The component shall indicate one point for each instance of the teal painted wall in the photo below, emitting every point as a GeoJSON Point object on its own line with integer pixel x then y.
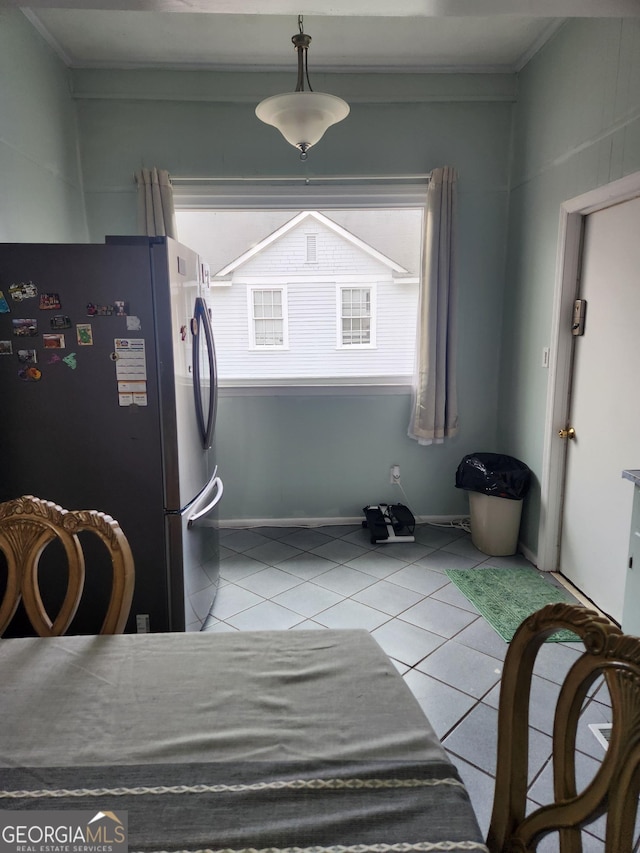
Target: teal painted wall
{"type": "Point", "coordinates": [329, 455]}
{"type": "Point", "coordinates": [576, 127]}
{"type": "Point", "coordinates": [317, 456]}
{"type": "Point", "coordinates": [203, 124]}
{"type": "Point", "coordinates": [40, 188]}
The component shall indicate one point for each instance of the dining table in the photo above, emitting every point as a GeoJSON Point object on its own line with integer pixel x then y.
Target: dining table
{"type": "Point", "coordinates": [299, 740]}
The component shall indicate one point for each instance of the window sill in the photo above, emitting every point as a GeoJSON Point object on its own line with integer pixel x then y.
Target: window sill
{"type": "Point", "coordinates": [367, 386]}
{"type": "Point", "coordinates": [358, 347]}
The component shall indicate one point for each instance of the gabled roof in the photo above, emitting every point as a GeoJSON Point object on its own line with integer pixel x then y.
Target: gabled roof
{"type": "Point", "coordinates": [324, 220]}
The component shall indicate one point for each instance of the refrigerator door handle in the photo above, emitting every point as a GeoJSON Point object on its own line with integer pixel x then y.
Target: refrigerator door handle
{"type": "Point", "coordinates": [199, 323]}
{"type": "Point", "coordinates": [214, 487]}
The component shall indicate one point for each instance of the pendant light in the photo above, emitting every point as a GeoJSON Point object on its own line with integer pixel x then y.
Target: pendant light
{"type": "Point", "coordinates": [302, 117]}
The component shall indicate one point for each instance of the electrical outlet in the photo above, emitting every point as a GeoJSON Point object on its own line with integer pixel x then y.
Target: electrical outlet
{"type": "Point", "coordinates": [142, 623]}
{"type": "Point", "coordinates": [394, 474]}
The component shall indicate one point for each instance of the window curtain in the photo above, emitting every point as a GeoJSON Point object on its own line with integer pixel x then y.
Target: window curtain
{"type": "Point", "coordinates": [434, 414]}
{"type": "Point", "coordinates": [156, 213]}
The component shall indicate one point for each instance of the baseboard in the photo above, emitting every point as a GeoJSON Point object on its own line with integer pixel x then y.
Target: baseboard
{"type": "Point", "coordinates": [530, 555]}
{"type": "Point", "coordinates": [566, 583]}
{"type": "Point", "coordinates": [335, 521]}
{"type": "Point", "coordinates": [447, 520]}
{"type": "Point", "coordinates": [288, 522]}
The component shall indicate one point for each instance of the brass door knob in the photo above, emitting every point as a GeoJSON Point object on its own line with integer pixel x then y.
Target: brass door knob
{"type": "Point", "coordinates": [569, 433]}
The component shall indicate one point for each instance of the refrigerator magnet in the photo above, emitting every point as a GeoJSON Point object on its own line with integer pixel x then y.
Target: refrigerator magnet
{"type": "Point", "coordinates": [122, 308]}
{"type": "Point", "coordinates": [70, 360]}
{"type": "Point", "coordinates": [54, 358]}
{"type": "Point", "coordinates": [84, 334]}
{"type": "Point", "coordinates": [4, 305]}
{"type": "Point", "coordinates": [25, 328]}
{"type": "Point", "coordinates": [100, 310]}
{"type": "Point", "coordinates": [30, 374]}
{"type": "Point", "coordinates": [133, 323]}
{"type": "Point", "coordinates": [60, 321]}
{"type": "Point", "coordinates": [54, 341]}
{"type": "Point", "coordinates": [27, 356]}
{"type": "Point", "coordinates": [49, 302]}
{"type": "Point", "coordinates": [23, 290]}
{"type": "Point", "coordinates": [6, 348]}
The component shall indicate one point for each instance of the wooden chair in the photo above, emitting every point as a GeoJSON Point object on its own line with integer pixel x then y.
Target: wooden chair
{"type": "Point", "coordinates": [27, 526]}
{"type": "Point", "coordinates": [615, 787]}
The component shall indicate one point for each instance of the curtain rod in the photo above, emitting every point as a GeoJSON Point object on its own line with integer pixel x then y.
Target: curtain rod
{"type": "Point", "coordinates": [179, 179]}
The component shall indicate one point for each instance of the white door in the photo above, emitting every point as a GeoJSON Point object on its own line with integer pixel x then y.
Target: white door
{"type": "Point", "coordinates": [605, 410]}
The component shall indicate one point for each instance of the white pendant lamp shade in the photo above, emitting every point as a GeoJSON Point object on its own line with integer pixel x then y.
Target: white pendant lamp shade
{"type": "Point", "coordinates": [302, 117]}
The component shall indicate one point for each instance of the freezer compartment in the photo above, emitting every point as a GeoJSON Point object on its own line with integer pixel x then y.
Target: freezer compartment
{"type": "Point", "coordinates": [193, 539]}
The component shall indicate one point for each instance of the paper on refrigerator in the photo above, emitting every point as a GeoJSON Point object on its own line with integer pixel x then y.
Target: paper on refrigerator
{"type": "Point", "coordinates": [131, 371]}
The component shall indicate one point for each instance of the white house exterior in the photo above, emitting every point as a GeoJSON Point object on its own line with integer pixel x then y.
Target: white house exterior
{"type": "Point", "coordinates": [313, 303]}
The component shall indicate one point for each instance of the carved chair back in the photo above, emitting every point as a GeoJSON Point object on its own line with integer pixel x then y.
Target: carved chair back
{"type": "Point", "coordinates": [27, 526]}
{"type": "Point", "coordinates": [608, 654]}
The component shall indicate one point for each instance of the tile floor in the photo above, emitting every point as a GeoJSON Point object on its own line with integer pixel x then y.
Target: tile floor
{"type": "Point", "coordinates": [333, 577]}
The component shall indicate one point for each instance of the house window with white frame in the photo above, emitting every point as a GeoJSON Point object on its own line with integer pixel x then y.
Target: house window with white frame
{"type": "Point", "coordinates": [356, 319]}
{"type": "Point", "coordinates": [267, 317]}
{"type": "Point", "coordinates": [325, 296]}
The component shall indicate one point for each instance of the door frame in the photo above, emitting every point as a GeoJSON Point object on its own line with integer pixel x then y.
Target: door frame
{"type": "Point", "coordinates": [572, 215]}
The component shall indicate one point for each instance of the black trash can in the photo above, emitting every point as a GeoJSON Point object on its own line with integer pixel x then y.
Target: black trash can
{"type": "Point", "coordinates": [497, 485]}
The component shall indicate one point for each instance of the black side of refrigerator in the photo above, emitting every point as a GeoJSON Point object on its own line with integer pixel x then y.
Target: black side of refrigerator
{"type": "Point", "coordinates": [67, 435]}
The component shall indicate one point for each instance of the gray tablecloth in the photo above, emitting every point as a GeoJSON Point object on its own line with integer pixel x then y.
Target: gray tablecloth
{"type": "Point", "coordinates": [250, 740]}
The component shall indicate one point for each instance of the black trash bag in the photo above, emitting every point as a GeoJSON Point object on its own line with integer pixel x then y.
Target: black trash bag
{"type": "Point", "coordinates": [494, 474]}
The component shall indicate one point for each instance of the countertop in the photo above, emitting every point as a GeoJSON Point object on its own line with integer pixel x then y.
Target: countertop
{"type": "Point", "coordinates": [633, 474]}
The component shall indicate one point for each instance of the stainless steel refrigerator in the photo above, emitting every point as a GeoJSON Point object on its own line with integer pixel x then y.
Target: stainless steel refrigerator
{"type": "Point", "coordinates": [108, 389]}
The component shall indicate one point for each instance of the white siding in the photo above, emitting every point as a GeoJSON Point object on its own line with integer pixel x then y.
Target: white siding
{"type": "Point", "coordinates": [311, 289]}
{"type": "Point", "coordinates": [288, 255]}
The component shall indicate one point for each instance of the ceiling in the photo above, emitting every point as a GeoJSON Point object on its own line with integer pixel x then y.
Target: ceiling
{"type": "Point", "coordinates": [350, 35]}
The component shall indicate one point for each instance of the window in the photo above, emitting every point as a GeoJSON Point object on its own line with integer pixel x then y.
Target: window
{"type": "Point", "coordinates": [267, 318]}
{"type": "Point", "coordinates": [356, 320]}
{"type": "Point", "coordinates": [319, 296]}
{"type": "Point", "coordinates": [311, 249]}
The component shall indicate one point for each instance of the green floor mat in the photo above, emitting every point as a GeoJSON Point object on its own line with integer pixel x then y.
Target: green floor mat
{"type": "Point", "coordinates": [505, 597]}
